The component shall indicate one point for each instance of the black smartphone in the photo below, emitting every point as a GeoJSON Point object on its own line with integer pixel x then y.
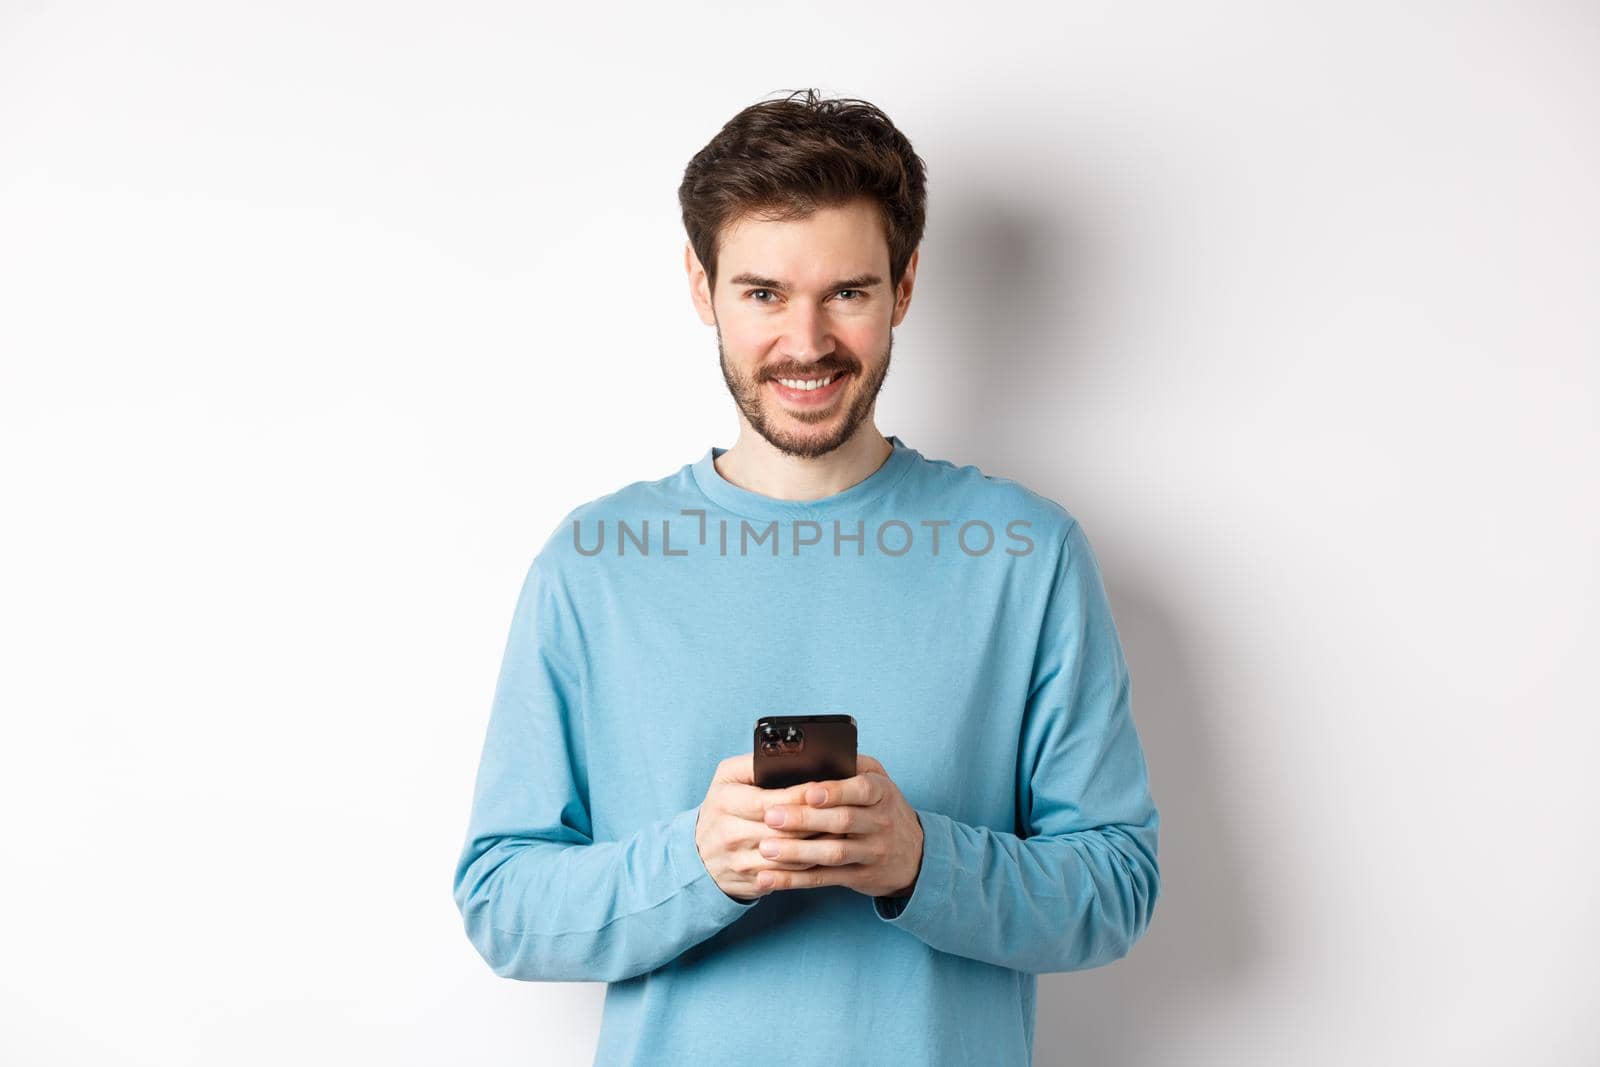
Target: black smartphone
{"type": "Point", "coordinates": [790, 749]}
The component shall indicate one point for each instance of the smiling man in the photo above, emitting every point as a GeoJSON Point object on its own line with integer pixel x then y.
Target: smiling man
{"type": "Point", "coordinates": [810, 350]}
{"type": "Point", "coordinates": [999, 824]}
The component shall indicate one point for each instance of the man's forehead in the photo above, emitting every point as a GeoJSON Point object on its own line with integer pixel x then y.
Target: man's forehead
{"type": "Point", "coordinates": [857, 257]}
{"type": "Point", "coordinates": [829, 241]}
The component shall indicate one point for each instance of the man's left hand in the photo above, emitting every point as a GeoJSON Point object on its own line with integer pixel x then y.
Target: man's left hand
{"type": "Point", "coordinates": [878, 847]}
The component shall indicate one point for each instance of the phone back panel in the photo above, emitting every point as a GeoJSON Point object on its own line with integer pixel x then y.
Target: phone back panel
{"type": "Point", "coordinates": [791, 749]}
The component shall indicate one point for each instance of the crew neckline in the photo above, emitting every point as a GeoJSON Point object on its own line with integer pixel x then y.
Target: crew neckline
{"type": "Point", "coordinates": [759, 506]}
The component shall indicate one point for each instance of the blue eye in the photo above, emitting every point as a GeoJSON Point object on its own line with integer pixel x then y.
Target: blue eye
{"type": "Point", "coordinates": [754, 291]}
{"type": "Point", "coordinates": [849, 291]}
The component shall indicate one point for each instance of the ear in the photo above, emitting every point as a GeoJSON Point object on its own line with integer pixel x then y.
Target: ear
{"type": "Point", "coordinates": [699, 285]}
{"type": "Point", "coordinates": [902, 297]}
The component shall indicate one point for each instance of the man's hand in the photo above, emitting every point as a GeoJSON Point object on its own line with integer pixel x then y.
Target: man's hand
{"type": "Point", "coordinates": [730, 826]}
{"type": "Point", "coordinates": [873, 841]}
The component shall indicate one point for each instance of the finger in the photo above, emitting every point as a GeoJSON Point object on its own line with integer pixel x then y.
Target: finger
{"type": "Point", "coordinates": [755, 831]}
{"type": "Point", "coordinates": [743, 800]}
{"type": "Point", "coordinates": [840, 819]}
{"type": "Point", "coordinates": [761, 863]}
{"type": "Point", "coordinates": [756, 827]}
{"type": "Point", "coordinates": [833, 852]}
{"type": "Point", "coordinates": [751, 802]}
{"type": "Point", "coordinates": [864, 790]}
{"type": "Point", "coordinates": [750, 831]}
{"type": "Point", "coordinates": [848, 874]}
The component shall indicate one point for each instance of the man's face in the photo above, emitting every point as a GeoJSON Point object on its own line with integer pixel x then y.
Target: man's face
{"type": "Point", "coordinates": [805, 301]}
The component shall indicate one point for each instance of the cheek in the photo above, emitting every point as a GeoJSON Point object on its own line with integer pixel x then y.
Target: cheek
{"type": "Point", "coordinates": [747, 337]}
{"type": "Point", "coordinates": [747, 333]}
{"type": "Point", "coordinates": [862, 337]}
{"type": "Point", "coordinates": [863, 341]}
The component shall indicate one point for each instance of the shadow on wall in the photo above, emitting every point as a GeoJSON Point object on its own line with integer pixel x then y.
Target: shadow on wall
{"type": "Point", "coordinates": [1013, 295]}
{"type": "Point", "coordinates": [1202, 939]}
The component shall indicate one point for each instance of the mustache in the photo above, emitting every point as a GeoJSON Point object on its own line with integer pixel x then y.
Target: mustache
{"type": "Point", "coordinates": [807, 372]}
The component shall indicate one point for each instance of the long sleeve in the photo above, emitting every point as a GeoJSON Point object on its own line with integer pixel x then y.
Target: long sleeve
{"type": "Point", "coordinates": [541, 900]}
{"type": "Point", "coordinates": [1079, 889]}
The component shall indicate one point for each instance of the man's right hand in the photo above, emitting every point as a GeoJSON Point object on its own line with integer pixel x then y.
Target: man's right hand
{"type": "Point", "coordinates": [732, 824]}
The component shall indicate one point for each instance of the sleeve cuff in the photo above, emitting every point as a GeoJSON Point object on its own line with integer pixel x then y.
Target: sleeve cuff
{"type": "Point", "coordinates": [933, 881]}
{"type": "Point", "coordinates": [690, 870]}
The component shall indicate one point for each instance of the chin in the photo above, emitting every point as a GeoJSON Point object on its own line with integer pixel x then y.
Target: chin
{"type": "Point", "coordinates": [808, 439]}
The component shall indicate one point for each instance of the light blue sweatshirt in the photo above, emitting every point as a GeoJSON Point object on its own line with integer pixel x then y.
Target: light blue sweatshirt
{"type": "Point", "coordinates": [960, 618]}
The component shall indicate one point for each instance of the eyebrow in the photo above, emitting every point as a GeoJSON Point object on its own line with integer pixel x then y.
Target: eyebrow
{"type": "Point", "coordinates": [860, 281]}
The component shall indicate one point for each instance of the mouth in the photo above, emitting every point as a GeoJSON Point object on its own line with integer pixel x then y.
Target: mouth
{"type": "Point", "coordinates": [810, 394]}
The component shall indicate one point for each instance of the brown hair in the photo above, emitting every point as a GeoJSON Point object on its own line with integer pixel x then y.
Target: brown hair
{"type": "Point", "coordinates": [783, 159]}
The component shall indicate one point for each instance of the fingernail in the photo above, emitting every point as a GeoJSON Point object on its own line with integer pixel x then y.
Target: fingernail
{"type": "Point", "coordinates": [769, 849]}
{"type": "Point", "coordinates": [816, 796]}
{"type": "Point", "coordinates": [775, 817]}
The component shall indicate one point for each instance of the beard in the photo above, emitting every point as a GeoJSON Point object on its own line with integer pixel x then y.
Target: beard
{"type": "Point", "coordinates": [753, 400]}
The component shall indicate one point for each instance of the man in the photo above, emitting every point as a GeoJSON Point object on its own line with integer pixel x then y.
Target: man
{"type": "Point", "coordinates": [1000, 823]}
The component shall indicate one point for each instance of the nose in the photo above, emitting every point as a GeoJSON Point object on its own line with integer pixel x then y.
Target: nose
{"type": "Point", "coordinates": [806, 336]}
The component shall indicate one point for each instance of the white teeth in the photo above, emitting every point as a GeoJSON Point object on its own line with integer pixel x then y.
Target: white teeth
{"type": "Point", "coordinates": [796, 383]}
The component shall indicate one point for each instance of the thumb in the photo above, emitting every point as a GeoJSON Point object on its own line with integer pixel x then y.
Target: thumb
{"type": "Point", "coordinates": [740, 768]}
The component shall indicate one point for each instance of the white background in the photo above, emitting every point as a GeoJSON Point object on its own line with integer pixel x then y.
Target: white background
{"type": "Point", "coordinates": [316, 317]}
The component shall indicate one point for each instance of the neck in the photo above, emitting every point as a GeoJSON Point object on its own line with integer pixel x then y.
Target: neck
{"type": "Point", "coordinates": [754, 464]}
